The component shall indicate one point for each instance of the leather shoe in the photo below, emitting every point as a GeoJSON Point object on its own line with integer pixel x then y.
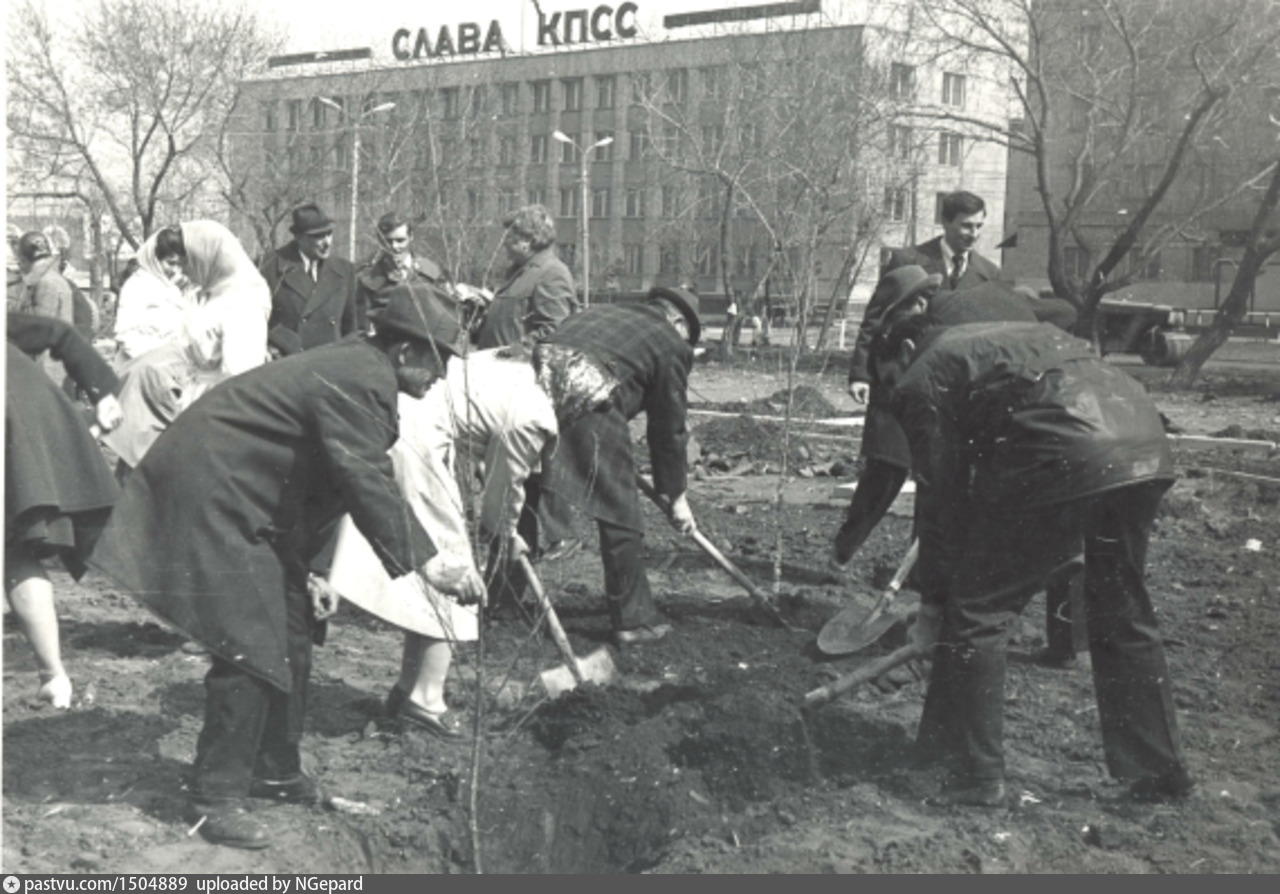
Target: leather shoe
{"type": "Point", "coordinates": [561, 549]}
{"type": "Point", "coordinates": [645, 633]}
{"type": "Point", "coordinates": [229, 825]}
{"type": "Point", "coordinates": [1173, 786]}
{"type": "Point", "coordinates": [297, 789]}
{"type": "Point", "coordinates": [987, 793]}
{"type": "Point", "coordinates": [444, 725]}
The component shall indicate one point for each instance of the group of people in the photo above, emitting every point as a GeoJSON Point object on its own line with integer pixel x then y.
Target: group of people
{"type": "Point", "coordinates": [291, 434]}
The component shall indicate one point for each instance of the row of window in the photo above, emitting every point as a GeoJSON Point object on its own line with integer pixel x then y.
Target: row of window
{"type": "Point", "coordinates": [902, 145]}
{"type": "Point", "coordinates": [897, 200]}
{"type": "Point", "coordinates": [1202, 264]}
{"type": "Point", "coordinates": [746, 260]}
{"type": "Point", "coordinates": [326, 112]}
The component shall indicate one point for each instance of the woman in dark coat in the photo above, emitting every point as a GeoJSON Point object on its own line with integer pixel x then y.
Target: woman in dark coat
{"type": "Point", "coordinates": [58, 489]}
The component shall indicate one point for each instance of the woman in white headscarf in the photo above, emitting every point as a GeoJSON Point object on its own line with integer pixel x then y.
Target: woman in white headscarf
{"type": "Point", "coordinates": [153, 305]}
{"type": "Point", "coordinates": [222, 333]}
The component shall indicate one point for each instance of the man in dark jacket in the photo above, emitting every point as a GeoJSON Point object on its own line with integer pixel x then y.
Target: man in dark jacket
{"type": "Point", "coordinates": [313, 294]}
{"type": "Point", "coordinates": [538, 293]}
{"type": "Point", "coordinates": [395, 269]}
{"type": "Point", "coordinates": [952, 255]}
{"type": "Point", "coordinates": [1026, 443]}
{"type": "Point", "coordinates": [217, 526]}
{"type": "Point", "coordinates": [648, 349]}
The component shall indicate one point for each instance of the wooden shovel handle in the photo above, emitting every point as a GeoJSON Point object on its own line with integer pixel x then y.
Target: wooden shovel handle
{"type": "Point", "coordinates": [825, 694]}
{"type": "Point", "coordinates": [553, 621]}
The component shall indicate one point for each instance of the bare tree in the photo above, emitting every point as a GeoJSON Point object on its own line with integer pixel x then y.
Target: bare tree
{"type": "Point", "coordinates": [126, 102]}
{"type": "Point", "coordinates": [1119, 102]}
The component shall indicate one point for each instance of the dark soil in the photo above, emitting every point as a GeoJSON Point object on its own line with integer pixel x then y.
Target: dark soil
{"type": "Point", "coordinates": [696, 759]}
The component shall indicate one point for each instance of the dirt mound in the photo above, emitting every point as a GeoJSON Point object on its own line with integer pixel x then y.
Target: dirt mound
{"type": "Point", "coordinates": [748, 438]}
{"type": "Point", "coordinates": [807, 402]}
{"type": "Point", "coordinates": [1249, 434]}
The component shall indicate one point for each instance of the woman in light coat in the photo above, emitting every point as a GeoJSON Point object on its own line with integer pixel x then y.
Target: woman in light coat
{"type": "Point", "coordinates": [223, 333]}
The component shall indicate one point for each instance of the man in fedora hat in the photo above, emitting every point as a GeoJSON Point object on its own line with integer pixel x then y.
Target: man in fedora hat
{"type": "Point", "coordinates": [313, 293]}
{"type": "Point", "coordinates": [647, 351]}
{"type": "Point", "coordinates": [223, 552]}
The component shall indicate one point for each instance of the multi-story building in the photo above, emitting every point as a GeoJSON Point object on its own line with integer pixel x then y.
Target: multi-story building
{"type": "Point", "coordinates": [777, 142]}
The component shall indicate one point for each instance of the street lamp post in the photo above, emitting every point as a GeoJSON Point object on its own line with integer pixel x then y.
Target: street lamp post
{"type": "Point", "coordinates": [355, 163]}
{"type": "Point", "coordinates": [584, 233]}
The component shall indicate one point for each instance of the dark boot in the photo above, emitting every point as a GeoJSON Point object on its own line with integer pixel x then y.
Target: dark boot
{"type": "Point", "coordinates": [228, 823]}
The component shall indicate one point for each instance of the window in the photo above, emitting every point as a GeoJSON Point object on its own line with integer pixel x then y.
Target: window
{"type": "Point", "coordinates": [606, 91]}
{"type": "Point", "coordinates": [568, 201]}
{"type": "Point", "coordinates": [634, 203]}
{"type": "Point", "coordinates": [510, 99]}
{"type": "Point", "coordinates": [538, 149]}
{"type": "Point", "coordinates": [476, 151]}
{"type": "Point", "coordinates": [937, 207]}
{"type": "Point", "coordinates": [538, 196]}
{"type": "Point", "coordinates": [708, 259]}
{"type": "Point", "coordinates": [669, 196]}
{"type": "Point", "coordinates": [950, 146]}
{"type": "Point", "coordinates": [541, 96]}
{"type": "Point", "coordinates": [712, 139]}
{"type": "Point", "coordinates": [671, 142]}
{"type": "Point", "coordinates": [342, 154]}
{"type": "Point", "coordinates": [633, 255]}
{"type": "Point", "coordinates": [712, 82]}
{"type": "Point", "coordinates": [506, 150]}
{"type": "Point", "coordinates": [641, 87]}
{"type": "Point", "coordinates": [507, 201]}
{"type": "Point", "coordinates": [269, 122]}
{"type": "Point", "coordinates": [1150, 270]}
{"type": "Point", "coordinates": [475, 203]}
{"type": "Point", "coordinates": [602, 202]}
{"type": "Point", "coordinates": [1089, 40]}
{"type": "Point", "coordinates": [708, 198]}
{"type": "Point", "coordinates": [678, 85]}
{"type": "Point", "coordinates": [639, 144]}
{"type": "Point", "coordinates": [568, 252]}
{"type": "Point", "coordinates": [477, 101]}
{"type": "Point", "coordinates": [1203, 268]}
{"type": "Point", "coordinates": [953, 90]}
{"type": "Point", "coordinates": [293, 159]}
{"type": "Point", "coordinates": [294, 107]}
{"type": "Point", "coordinates": [340, 112]}
{"type": "Point", "coordinates": [745, 261]}
{"type": "Point", "coordinates": [1080, 109]}
{"type": "Point", "coordinates": [902, 82]}
{"type": "Point", "coordinates": [422, 156]}
{"type": "Point", "coordinates": [749, 138]}
{"type": "Point", "coordinates": [899, 141]}
{"type": "Point", "coordinates": [449, 102]}
{"type": "Point", "coordinates": [605, 152]}
{"type": "Point", "coordinates": [895, 203]}
{"type": "Point", "coordinates": [318, 110]}
{"type": "Point", "coordinates": [315, 157]}
{"type": "Point", "coordinates": [1076, 262]}
{"type": "Point", "coordinates": [572, 94]}
{"type": "Point", "coordinates": [669, 259]}
{"type": "Point", "coordinates": [569, 151]}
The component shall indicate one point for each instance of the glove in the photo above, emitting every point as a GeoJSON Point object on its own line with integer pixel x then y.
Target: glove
{"type": "Point", "coordinates": [457, 579]}
{"type": "Point", "coordinates": [324, 598]}
{"type": "Point", "coordinates": [860, 392]}
{"type": "Point", "coordinates": [109, 413]}
{"type": "Point", "coordinates": [682, 515]}
{"type": "Point", "coordinates": [924, 632]}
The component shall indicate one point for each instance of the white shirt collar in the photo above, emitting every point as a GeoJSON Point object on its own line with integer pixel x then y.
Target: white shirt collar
{"type": "Point", "coordinates": [948, 256]}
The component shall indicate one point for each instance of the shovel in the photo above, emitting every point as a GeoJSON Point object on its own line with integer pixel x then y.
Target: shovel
{"type": "Point", "coordinates": [595, 668]}
{"type": "Point", "coordinates": [851, 629]}
{"type": "Point", "coordinates": [869, 671]}
{"type": "Point", "coordinates": [719, 558]}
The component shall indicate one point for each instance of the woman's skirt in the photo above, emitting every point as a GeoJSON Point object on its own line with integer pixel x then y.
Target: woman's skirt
{"type": "Point", "coordinates": [407, 602]}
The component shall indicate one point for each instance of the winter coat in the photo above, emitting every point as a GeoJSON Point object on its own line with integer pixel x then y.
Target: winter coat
{"type": "Point", "coordinates": [534, 300]}
{"type": "Point", "coordinates": [232, 501]}
{"type": "Point", "coordinates": [322, 310]}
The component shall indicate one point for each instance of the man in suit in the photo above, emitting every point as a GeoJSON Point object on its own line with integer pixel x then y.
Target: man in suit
{"type": "Point", "coordinates": [218, 524]}
{"type": "Point", "coordinates": [312, 293]}
{"type": "Point", "coordinates": [645, 352]}
{"type": "Point", "coordinates": [952, 264]}
{"type": "Point", "coordinates": [952, 255]}
{"type": "Point", "coordinates": [395, 269]}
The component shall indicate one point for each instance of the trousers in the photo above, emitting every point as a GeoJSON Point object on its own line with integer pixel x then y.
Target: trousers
{"type": "Point", "coordinates": [252, 729]}
{"type": "Point", "coordinates": [1006, 560]}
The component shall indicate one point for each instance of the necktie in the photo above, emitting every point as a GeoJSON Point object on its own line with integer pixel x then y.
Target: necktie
{"type": "Point", "coordinates": [957, 267]}
{"type": "Point", "coordinates": [315, 271]}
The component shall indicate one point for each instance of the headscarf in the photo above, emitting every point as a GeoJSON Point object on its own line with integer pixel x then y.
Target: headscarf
{"type": "Point", "coordinates": [218, 264]}
{"type": "Point", "coordinates": [232, 329]}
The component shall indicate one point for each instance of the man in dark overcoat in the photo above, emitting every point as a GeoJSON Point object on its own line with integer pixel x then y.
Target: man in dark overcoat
{"type": "Point", "coordinates": [952, 255]}
{"type": "Point", "coordinates": [1027, 444]}
{"type": "Point", "coordinates": [648, 349]}
{"type": "Point", "coordinates": [395, 268]}
{"type": "Point", "coordinates": [538, 293]}
{"type": "Point", "coordinates": [217, 525]}
{"type": "Point", "coordinates": [313, 293]}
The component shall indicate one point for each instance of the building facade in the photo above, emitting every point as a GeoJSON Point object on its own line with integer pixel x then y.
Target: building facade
{"type": "Point", "coordinates": [770, 148]}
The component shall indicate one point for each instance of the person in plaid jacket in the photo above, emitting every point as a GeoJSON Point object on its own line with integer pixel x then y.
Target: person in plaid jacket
{"type": "Point", "coordinates": [648, 348]}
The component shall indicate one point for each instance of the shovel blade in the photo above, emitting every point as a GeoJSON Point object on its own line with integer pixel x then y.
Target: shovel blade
{"type": "Point", "coordinates": [855, 628]}
{"type": "Point", "coordinates": [598, 668]}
